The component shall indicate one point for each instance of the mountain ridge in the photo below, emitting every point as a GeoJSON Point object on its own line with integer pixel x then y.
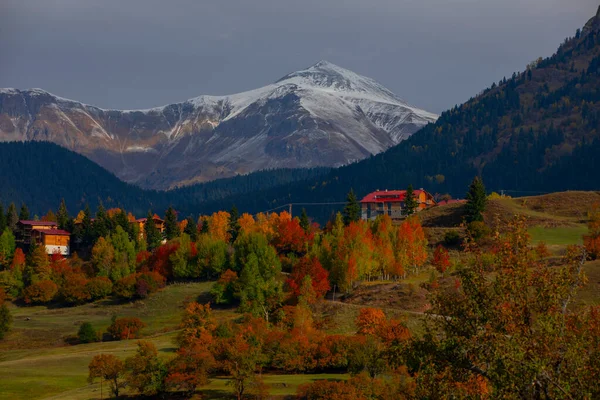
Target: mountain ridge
{"type": "Point", "coordinates": [323, 115]}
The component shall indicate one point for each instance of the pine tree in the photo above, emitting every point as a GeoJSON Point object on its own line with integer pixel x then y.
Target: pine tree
{"type": "Point", "coordinates": [410, 202]}
{"type": "Point", "coordinates": [24, 213]}
{"type": "Point", "coordinates": [87, 230]}
{"type": "Point", "coordinates": [352, 208]}
{"type": "Point", "coordinates": [153, 236]}
{"type": "Point", "coordinates": [11, 217]}
{"type": "Point", "coordinates": [234, 223]}
{"type": "Point", "coordinates": [171, 227]}
{"type": "Point", "coordinates": [304, 222]}
{"type": "Point", "coordinates": [62, 217]}
{"type": "Point", "coordinates": [191, 229]}
{"type": "Point", "coordinates": [476, 200]}
{"type": "Point", "coordinates": [102, 224]}
{"type": "Point", "coordinates": [2, 218]}
{"type": "Point", "coordinates": [204, 228]}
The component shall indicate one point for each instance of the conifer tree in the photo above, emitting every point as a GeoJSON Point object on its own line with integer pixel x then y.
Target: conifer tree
{"type": "Point", "coordinates": [24, 213]}
{"type": "Point", "coordinates": [304, 222]}
{"type": "Point", "coordinates": [102, 224]}
{"type": "Point", "coordinates": [171, 227]}
{"type": "Point", "coordinates": [476, 200]}
{"type": "Point", "coordinates": [2, 218]}
{"type": "Point", "coordinates": [191, 229]}
{"type": "Point", "coordinates": [352, 208]}
{"type": "Point", "coordinates": [62, 217]}
{"type": "Point", "coordinates": [234, 223]}
{"type": "Point", "coordinates": [410, 202]}
{"type": "Point", "coordinates": [87, 231]}
{"type": "Point", "coordinates": [11, 217]}
{"type": "Point", "coordinates": [153, 236]}
{"type": "Point", "coordinates": [204, 228]}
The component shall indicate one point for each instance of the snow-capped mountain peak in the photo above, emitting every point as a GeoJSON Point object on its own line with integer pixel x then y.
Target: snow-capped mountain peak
{"type": "Point", "coordinates": [324, 115]}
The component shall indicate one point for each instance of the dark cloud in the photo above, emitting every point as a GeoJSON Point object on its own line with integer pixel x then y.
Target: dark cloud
{"type": "Point", "coordinates": [142, 53]}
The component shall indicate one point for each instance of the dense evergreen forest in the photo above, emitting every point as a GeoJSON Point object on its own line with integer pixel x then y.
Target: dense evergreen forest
{"type": "Point", "coordinates": [40, 174]}
{"type": "Point", "coordinates": [537, 131]}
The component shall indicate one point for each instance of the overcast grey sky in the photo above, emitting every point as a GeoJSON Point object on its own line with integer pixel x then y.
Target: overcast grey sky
{"type": "Point", "coordinates": [142, 53]}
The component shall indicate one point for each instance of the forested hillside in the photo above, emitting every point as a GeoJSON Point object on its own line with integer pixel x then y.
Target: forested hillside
{"type": "Point", "coordinates": [40, 174]}
{"type": "Point", "coordinates": [537, 131]}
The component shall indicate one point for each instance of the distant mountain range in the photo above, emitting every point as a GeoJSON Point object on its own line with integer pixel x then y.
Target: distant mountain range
{"type": "Point", "coordinates": [537, 131]}
{"type": "Point", "coordinates": [321, 116]}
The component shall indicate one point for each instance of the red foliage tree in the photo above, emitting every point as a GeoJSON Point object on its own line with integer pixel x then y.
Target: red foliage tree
{"type": "Point", "coordinates": [290, 238]}
{"type": "Point", "coordinates": [74, 289]}
{"type": "Point", "coordinates": [125, 328]}
{"type": "Point", "coordinates": [370, 321]}
{"type": "Point", "coordinates": [309, 266]}
{"type": "Point", "coordinates": [159, 260]}
{"type": "Point", "coordinates": [18, 261]}
{"type": "Point", "coordinates": [40, 292]}
{"type": "Point", "coordinates": [441, 259]}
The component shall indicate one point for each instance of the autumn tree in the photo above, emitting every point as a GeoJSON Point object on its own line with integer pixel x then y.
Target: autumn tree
{"type": "Point", "coordinates": [197, 322]}
{"type": "Point", "coordinates": [476, 200]}
{"type": "Point", "coordinates": [171, 227]}
{"type": "Point", "coordinates": [103, 255]}
{"type": "Point", "coordinates": [5, 316]}
{"type": "Point", "coordinates": [351, 209]}
{"type": "Point", "coordinates": [592, 239]}
{"type": "Point", "coordinates": [146, 372]}
{"type": "Point", "coordinates": [7, 247]}
{"type": "Point", "coordinates": [411, 247]}
{"type": "Point", "coordinates": [410, 201]}
{"type": "Point", "coordinates": [125, 328]}
{"type": "Point", "coordinates": [309, 266]}
{"type": "Point", "coordinates": [211, 257]}
{"type": "Point", "coordinates": [534, 344]}
{"type": "Point", "coordinates": [441, 259]}
{"type": "Point", "coordinates": [370, 320]}
{"type": "Point", "coordinates": [218, 226]}
{"type": "Point", "coordinates": [40, 292]}
{"type": "Point", "coordinates": [109, 368]}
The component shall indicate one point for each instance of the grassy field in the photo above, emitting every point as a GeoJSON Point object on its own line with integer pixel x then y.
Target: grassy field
{"type": "Point", "coordinates": [558, 236]}
{"type": "Point", "coordinates": [36, 363]}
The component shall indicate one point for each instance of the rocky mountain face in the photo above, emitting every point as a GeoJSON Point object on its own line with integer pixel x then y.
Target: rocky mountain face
{"type": "Point", "coordinates": [321, 116]}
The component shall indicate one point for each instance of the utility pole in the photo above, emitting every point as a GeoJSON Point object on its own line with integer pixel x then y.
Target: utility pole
{"type": "Point", "coordinates": [290, 208]}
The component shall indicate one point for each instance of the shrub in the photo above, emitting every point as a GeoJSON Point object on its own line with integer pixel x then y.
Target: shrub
{"type": "Point", "coordinates": [125, 328]}
{"type": "Point", "coordinates": [86, 333]}
{"type": "Point", "coordinates": [40, 292]}
{"type": "Point", "coordinates": [478, 230]}
{"type": "Point", "coordinates": [452, 238]}
{"type": "Point", "coordinates": [99, 287]}
{"type": "Point", "coordinates": [125, 287]}
{"type": "Point", "coordinates": [148, 283]}
{"type": "Point", "coordinates": [74, 290]}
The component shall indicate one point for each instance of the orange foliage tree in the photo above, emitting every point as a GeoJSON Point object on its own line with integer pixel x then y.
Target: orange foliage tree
{"type": "Point", "coordinates": [441, 259]}
{"type": "Point", "coordinates": [309, 266]}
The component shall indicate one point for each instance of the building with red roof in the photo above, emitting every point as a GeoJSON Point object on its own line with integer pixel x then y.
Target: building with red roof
{"type": "Point", "coordinates": [56, 241]}
{"type": "Point", "coordinates": [391, 203]}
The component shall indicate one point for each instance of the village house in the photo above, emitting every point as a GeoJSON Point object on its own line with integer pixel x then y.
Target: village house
{"type": "Point", "coordinates": [141, 224]}
{"type": "Point", "coordinates": [391, 203]}
{"type": "Point", "coordinates": [44, 233]}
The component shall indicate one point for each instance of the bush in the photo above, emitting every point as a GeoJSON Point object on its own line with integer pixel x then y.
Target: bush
{"type": "Point", "coordinates": [148, 283]}
{"type": "Point", "coordinates": [99, 287]}
{"type": "Point", "coordinates": [87, 334]}
{"type": "Point", "coordinates": [40, 292]}
{"type": "Point", "coordinates": [452, 238]}
{"type": "Point", "coordinates": [125, 287]}
{"type": "Point", "coordinates": [125, 328]}
{"type": "Point", "coordinates": [478, 230]}
{"type": "Point", "coordinates": [74, 289]}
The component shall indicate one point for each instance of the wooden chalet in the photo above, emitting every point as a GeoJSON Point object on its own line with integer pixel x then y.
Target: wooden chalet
{"type": "Point", "coordinates": [141, 224]}
{"type": "Point", "coordinates": [25, 228]}
{"type": "Point", "coordinates": [44, 233]}
{"type": "Point", "coordinates": [391, 203]}
{"type": "Point", "coordinates": [54, 240]}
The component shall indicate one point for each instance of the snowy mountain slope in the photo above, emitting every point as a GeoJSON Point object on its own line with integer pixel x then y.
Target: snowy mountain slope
{"type": "Point", "coordinates": [324, 115]}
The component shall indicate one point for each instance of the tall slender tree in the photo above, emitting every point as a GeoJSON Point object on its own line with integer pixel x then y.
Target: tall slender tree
{"type": "Point", "coordinates": [62, 217]}
{"type": "Point", "coordinates": [153, 236]}
{"type": "Point", "coordinates": [234, 224]}
{"type": "Point", "coordinates": [476, 200]}
{"type": "Point", "coordinates": [352, 208]}
{"type": "Point", "coordinates": [2, 218]}
{"type": "Point", "coordinates": [24, 213]}
{"type": "Point", "coordinates": [410, 201]}
{"type": "Point", "coordinates": [171, 227]}
{"type": "Point", "coordinates": [304, 222]}
{"type": "Point", "coordinates": [102, 224]}
{"type": "Point", "coordinates": [191, 229]}
{"type": "Point", "coordinates": [12, 217]}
